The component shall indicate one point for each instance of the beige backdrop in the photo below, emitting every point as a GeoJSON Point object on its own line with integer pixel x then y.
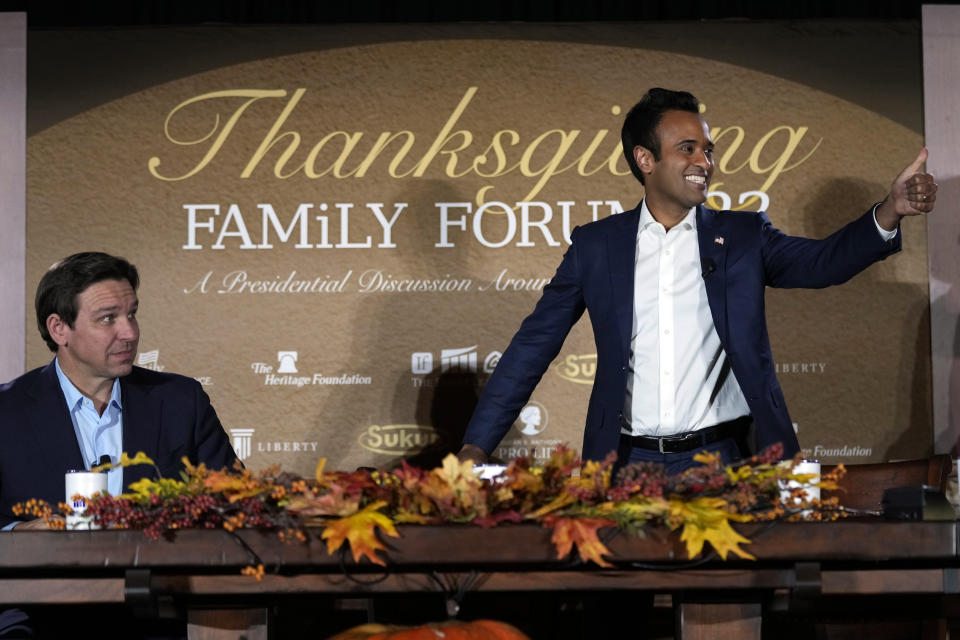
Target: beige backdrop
{"type": "Point", "coordinates": [316, 245]}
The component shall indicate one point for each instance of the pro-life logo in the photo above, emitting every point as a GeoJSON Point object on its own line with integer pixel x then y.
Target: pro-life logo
{"type": "Point", "coordinates": [241, 440]}
{"type": "Point", "coordinates": [533, 419]}
{"type": "Point", "coordinates": [150, 360]}
{"type": "Point", "coordinates": [527, 437]}
{"type": "Point", "coordinates": [286, 373]}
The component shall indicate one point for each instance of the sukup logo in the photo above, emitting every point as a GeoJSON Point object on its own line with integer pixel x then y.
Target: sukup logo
{"type": "Point", "coordinates": [397, 439]}
{"type": "Point", "coordinates": [577, 368]}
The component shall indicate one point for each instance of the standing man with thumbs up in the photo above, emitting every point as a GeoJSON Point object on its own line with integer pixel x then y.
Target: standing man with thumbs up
{"type": "Point", "coordinates": [675, 293]}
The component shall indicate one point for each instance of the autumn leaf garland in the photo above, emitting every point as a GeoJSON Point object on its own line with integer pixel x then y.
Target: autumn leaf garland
{"type": "Point", "coordinates": [574, 499]}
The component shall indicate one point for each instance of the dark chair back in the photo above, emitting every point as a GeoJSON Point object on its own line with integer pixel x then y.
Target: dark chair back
{"type": "Point", "coordinates": [862, 487]}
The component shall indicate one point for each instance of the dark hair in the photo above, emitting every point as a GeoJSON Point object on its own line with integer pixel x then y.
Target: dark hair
{"type": "Point", "coordinates": [640, 125]}
{"type": "Point", "coordinates": [63, 282]}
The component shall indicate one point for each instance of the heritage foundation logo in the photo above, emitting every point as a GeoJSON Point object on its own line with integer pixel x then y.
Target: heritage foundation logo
{"type": "Point", "coordinates": [288, 361]}
{"type": "Point", "coordinates": [819, 451]}
{"type": "Point", "coordinates": [285, 374]}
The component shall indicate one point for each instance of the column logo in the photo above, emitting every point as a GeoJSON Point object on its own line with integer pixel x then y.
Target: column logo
{"type": "Point", "coordinates": [241, 440]}
{"type": "Point", "coordinates": [150, 360]}
{"type": "Point", "coordinates": [462, 359]}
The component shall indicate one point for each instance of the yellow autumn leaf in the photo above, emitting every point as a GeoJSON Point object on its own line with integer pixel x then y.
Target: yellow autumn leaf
{"type": "Point", "coordinates": [736, 475]}
{"type": "Point", "coordinates": [561, 458]}
{"type": "Point", "coordinates": [319, 472]}
{"type": "Point", "coordinates": [706, 457]}
{"type": "Point", "coordinates": [143, 488]}
{"type": "Point", "coordinates": [559, 502]}
{"type": "Point", "coordinates": [704, 520]}
{"type": "Point", "coordinates": [592, 475]}
{"type": "Point", "coordinates": [360, 530]}
{"type": "Point", "coordinates": [456, 472]}
{"type": "Point", "coordinates": [721, 536]}
{"type": "Point", "coordinates": [455, 488]}
{"type": "Point", "coordinates": [139, 458]}
{"type": "Point", "coordinates": [642, 510]}
{"type": "Point", "coordinates": [125, 461]}
{"type": "Point", "coordinates": [403, 516]}
{"type": "Point", "coordinates": [590, 468]}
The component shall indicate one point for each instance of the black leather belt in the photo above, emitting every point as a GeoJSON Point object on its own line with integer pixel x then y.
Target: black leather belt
{"type": "Point", "coordinates": [736, 429]}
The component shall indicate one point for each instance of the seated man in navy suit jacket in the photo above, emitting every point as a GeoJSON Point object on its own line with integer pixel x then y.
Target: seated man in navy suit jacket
{"type": "Point", "coordinates": [90, 403]}
{"type": "Point", "coordinates": [675, 293]}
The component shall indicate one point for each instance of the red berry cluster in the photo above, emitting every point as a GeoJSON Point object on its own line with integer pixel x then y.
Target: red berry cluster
{"type": "Point", "coordinates": [155, 515]}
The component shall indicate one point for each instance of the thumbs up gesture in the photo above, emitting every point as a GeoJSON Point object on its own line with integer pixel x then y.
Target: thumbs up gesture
{"type": "Point", "coordinates": [912, 193]}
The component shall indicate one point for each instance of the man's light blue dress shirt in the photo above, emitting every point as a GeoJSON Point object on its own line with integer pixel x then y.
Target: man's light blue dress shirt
{"type": "Point", "coordinates": [97, 435]}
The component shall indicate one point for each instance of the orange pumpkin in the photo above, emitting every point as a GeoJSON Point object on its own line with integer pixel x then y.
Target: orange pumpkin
{"type": "Point", "coordinates": [452, 630]}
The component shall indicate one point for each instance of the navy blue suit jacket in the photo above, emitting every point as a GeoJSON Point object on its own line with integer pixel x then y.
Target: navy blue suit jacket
{"type": "Point", "coordinates": [165, 415]}
{"type": "Point", "coordinates": [597, 274]}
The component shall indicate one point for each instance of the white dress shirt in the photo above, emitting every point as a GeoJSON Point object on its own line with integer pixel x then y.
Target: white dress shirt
{"type": "Point", "coordinates": [679, 376]}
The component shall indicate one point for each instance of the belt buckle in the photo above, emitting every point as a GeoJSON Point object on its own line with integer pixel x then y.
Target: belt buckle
{"type": "Point", "coordinates": [679, 439]}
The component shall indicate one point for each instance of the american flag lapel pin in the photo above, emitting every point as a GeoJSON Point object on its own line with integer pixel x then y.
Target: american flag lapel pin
{"type": "Point", "coordinates": [718, 240]}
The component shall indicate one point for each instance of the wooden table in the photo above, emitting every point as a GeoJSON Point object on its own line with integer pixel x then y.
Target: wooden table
{"type": "Point", "coordinates": [719, 599]}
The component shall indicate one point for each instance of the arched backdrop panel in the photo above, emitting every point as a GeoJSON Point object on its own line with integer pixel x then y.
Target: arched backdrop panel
{"type": "Point", "coordinates": [338, 240]}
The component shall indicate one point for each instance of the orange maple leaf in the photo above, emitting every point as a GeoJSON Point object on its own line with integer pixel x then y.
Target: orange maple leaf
{"type": "Point", "coordinates": [360, 530]}
{"type": "Point", "coordinates": [521, 479]}
{"type": "Point", "coordinates": [234, 486]}
{"type": "Point", "coordinates": [581, 532]}
{"type": "Point", "coordinates": [332, 503]}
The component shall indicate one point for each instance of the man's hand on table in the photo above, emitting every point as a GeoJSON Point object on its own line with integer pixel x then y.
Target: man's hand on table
{"type": "Point", "coordinates": [472, 452]}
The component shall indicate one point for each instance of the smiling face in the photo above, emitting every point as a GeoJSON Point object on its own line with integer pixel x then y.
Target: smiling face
{"type": "Point", "coordinates": [102, 342]}
{"type": "Point", "coordinates": [681, 177]}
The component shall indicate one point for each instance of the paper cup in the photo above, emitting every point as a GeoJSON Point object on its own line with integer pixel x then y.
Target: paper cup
{"type": "Point", "coordinates": [82, 484]}
{"type": "Point", "coordinates": [811, 467]}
